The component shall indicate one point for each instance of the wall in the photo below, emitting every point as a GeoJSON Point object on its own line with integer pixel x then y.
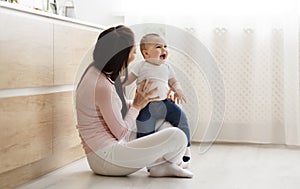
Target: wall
{"type": "Point", "coordinates": [106, 13]}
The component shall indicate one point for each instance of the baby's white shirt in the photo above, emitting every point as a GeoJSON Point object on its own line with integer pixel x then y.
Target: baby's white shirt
{"type": "Point", "coordinates": [159, 74]}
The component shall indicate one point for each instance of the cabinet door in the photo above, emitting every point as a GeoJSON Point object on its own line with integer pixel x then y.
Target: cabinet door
{"type": "Point", "coordinates": [65, 134]}
{"type": "Point", "coordinates": [26, 52]}
{"type": "Point", "coordinates": [70, 46]}
{"type": "Point", "coordinates": [26, 130]}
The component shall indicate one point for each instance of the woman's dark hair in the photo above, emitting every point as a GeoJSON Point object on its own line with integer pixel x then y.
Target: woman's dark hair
{"type": "Point", "coordinates": [112, 50]}
{"type": "Point", "coordinates": [111, 56]}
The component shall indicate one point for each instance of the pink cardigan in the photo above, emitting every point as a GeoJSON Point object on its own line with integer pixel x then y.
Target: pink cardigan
{"type": "Point", "coordinates": [98, 107]}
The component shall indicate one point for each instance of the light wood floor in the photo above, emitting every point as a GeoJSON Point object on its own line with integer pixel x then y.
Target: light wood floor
{"type": "Point", "coordinates": [223, 166]}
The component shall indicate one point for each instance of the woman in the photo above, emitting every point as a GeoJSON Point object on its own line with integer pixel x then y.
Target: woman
{"type": "Point", "coordinates": [105, 119]}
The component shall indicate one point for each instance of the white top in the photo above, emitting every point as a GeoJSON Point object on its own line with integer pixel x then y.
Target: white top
{"type": "Point", "coordinates": [159, 74]}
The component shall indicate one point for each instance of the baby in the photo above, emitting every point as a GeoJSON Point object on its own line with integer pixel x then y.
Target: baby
{"type": "Point", "coordinates": [155, 68]}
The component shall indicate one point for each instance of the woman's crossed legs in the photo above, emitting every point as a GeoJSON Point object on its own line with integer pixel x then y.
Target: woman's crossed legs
{"type": "Point", "coordinates": [161, 152]}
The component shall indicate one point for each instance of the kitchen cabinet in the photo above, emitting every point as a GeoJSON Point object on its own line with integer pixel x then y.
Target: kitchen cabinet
{"type": "Point", "coordinates": [39, 57]}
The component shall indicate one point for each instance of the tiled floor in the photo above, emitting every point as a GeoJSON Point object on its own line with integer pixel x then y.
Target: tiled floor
{"type": "Point", "coordinates": [223, 166]}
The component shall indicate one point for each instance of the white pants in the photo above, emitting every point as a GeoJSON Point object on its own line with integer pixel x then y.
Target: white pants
{"type": "Point", "coordinates": [123, 159]}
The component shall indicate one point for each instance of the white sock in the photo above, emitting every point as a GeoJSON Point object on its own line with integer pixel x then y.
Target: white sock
{"type": "Point", "coordinates": [168, 169]}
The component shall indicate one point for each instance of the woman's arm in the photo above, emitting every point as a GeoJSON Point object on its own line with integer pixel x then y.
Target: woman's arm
{"type": "Point", "coordinates": [109, 105]}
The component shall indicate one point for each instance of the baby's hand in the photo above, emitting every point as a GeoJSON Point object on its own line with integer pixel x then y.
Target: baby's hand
{"type": "Point", "coordinates": [179, 97]}
{"type": "Point", "coordinates": [176, 97]}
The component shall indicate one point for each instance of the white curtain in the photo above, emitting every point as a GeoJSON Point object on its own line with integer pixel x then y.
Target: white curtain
{"type": "Point", "coordinates": [259, 62]}
{"type": "Point", "coordinates": [258, 56]}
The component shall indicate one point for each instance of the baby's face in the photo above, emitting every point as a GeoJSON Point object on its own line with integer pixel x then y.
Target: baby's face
{"type": "Point", "coordinates": [156, 51]}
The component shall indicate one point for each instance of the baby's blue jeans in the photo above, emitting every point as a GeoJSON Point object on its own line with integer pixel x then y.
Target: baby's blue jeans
{"type": "Point", "coordinates": [164, 109]}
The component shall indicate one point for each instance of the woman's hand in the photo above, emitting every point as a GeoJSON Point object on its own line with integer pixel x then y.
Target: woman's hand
{"type": "Point", "coordinates": [142, 97]}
